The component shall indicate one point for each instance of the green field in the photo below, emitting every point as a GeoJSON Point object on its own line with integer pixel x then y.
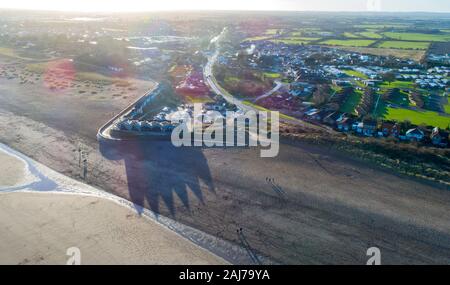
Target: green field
{"type": "Point", "coordinates": [272, 75]}
{"type": "Point", "coordinates": [404, 45]}
{"type": "Point", "coordinates": [355, 73]}
{"type": "Point", "coordinates": [350, 35]}
{"type": "Point", "coordinates": [350, 43]}
{"type": "Point", "coordinates": [398, 84]}
{"type": "Point", "coordinates": [401, 99]}
{"type": "Point", "coordinates": [371, 35]}
{"type": "Point", "coordinates": [258, 38]}
{"type": "Point", "coordinates": [273, 31]}
{"type": "Point", "coordinates": [352, 102]}
{"type": "Point", "coordinates": [447, 106]}
{"type": "Point", "coordinates": [380, 26]}
{"type": "Point", "coordinates": [418, 37]}
{"type": "Point", "coordinates": [418, 117]}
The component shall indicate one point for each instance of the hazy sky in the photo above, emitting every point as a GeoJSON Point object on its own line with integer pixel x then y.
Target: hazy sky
{"type": "Point", "coordinates": [300, 5]}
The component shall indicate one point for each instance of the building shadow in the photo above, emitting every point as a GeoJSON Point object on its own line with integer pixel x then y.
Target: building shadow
{"type": "Point", "coordinates": [159, 172]}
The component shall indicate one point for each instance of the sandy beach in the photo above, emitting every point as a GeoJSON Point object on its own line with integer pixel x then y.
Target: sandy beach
{"type": "Point", "coordinates": [39, 228]}
{"type": "Point", "coordinates": [12, 170]}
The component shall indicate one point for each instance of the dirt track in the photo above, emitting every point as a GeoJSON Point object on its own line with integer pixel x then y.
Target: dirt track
{"type": "Point", "coordinates": [321, 208]}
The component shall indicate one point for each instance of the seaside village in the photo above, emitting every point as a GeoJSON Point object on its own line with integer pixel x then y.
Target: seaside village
{"type": "Point", "coordinates": [142, 120]}
{"type": "Point", "coordinates": [346, 90]}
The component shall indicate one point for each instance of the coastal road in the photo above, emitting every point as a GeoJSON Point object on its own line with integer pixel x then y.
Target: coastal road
{"type": "Point", "coordinates": [219, 90]}
{"type": "Point", "coordinates": [278, 85]}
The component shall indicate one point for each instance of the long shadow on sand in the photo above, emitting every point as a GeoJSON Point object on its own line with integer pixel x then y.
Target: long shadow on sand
{"type": "Point", "coordinates": [157, 171]}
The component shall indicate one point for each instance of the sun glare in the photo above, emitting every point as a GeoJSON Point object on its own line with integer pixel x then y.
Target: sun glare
{"type": "Point", "coordinates": [139, 5]}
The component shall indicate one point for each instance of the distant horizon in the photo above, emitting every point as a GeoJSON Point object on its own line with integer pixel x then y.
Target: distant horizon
{"type": "Point", "coordinates": [225, 10]}
{"type": "Point", "coordinates": [341, 6]}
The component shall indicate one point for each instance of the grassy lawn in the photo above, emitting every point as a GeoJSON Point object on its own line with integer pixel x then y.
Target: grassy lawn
{"type": "Point", "coordinates": [260, 108]}
{"type": "Point", "coordinates": [404, 45]}
{"type": "Point", "coordinates": [371, 35]}
{"type": "Point", "coordinates": [202, 100]}
{"type": "Point", "coordinates": [398, 84]}
{"type": "Point", "coordinates": [447, 106]}
{"type": "Point", "coordinates": [401, 99]}
{"type": "Point", "coordinates": [355, 73]}
{"type": "Point", "coordinates": [351, 102]}
{"type": "Point", "coordinates": [418, 37]}
{"type": "Point", "coordinates": [271, 75]}
{"type": "Point", "coordinates": [418, 117]}
{"type": "Point", "coordinates": [352, 43]}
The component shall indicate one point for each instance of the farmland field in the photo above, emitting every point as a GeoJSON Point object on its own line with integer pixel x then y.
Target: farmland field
{"type": "Point", "coordinates": [445, 37]}
{"type": "Point", "coordinates": [404, 45]}
{"type": "Point", "coordinates": [352, 43]}
{"type": "Point", "coordinates": [371, 35]}
{"type": "Point", "coordinates": [350, 35]}
{"type": "Point", "coordinates": [400, 53]}
{"type": "Point", "coordinates": [381, 26]}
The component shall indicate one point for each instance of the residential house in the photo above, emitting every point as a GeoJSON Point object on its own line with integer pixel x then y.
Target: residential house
{"type": "Point", "coordinates": [344, 124]}
{"type": "Point", "coordinates": [415, 134]}
{"type": "Point", "coordinates": [332, 118]}
{"type": "Point", "coordinates": [439, 137]}
{"type": "Point", "coordinates": [369, 128]}
{"type": "Point", "coordinates": [390, 129]}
